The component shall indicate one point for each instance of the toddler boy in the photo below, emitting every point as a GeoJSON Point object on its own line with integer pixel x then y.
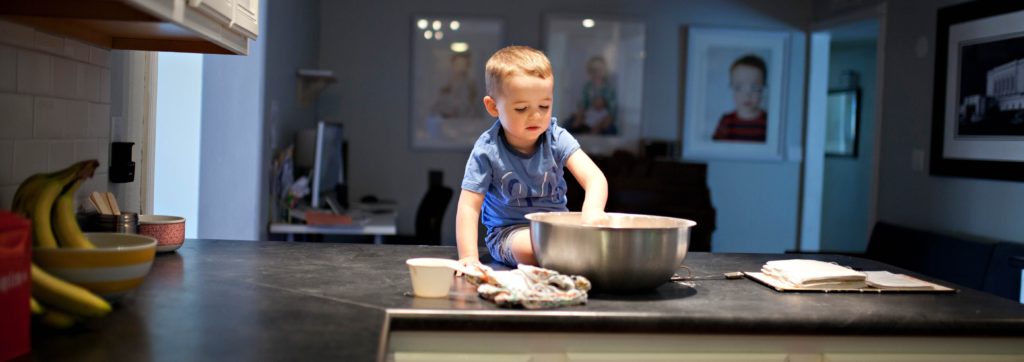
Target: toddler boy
{"type": "Point", "coordinates": [516, 166]}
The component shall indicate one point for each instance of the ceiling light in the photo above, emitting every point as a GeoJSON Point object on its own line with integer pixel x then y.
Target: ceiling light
{"type": "Point", "coordinates": [454, 25]}
{"type": "Point", "coordinates": [428, 34]}
{"type": "Point", "coordinates": [459, 47]}
{"type": "Point", "coordinates": [438, 35]}
{"type": "Point", "coordinates": [588, 23]}
{"type": "Point", "coordinates": [422, 23]}
{"type": "Point", "coordinates": [436, 25]}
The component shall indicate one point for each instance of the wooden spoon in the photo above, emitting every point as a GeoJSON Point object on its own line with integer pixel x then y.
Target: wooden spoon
{"type": "Point", "coordinates": [112, 201]}
{"type": "Point", "coordinates": [101, 203]}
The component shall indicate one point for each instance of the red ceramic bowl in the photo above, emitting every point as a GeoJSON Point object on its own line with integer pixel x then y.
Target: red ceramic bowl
{"type": "Point", "coordinates": [169, 231]}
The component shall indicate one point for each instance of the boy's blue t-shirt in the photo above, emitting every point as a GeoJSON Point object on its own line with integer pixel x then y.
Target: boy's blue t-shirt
{"type": "Point", "coordinates": [515, 184]}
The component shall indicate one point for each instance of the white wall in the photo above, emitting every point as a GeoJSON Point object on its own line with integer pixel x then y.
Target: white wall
{"type": "Point", "coordinates": [54, 107]}
{"type": "Point", "coordinates": [178, 115]}
{"type": "Point", "coordinates": [367, 45]}
{"type": "Point", "coordinates": [911, 197]}
{"type": "Point", "coordinates": [232, 175]}
{"type": "Point", "coordinates": [292, 43]}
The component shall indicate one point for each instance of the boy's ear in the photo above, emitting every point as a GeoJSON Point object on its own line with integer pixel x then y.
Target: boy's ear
{"type": "Point", "coordinates": [491, 105]}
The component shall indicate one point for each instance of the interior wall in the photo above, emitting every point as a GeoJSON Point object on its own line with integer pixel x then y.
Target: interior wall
{"type": "Point", "coordinates": [292, 44]}
{"type": "Point", "coordinates": [908, 195]}
{"type": "Point", "coordinates": [847, 181]}
{"type": "Point", "coordinates": [232, 173]}
{"type": "Point", "coordinates": [368, 45]}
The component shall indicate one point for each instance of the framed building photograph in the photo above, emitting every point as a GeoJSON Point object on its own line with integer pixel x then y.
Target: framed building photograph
{"type": "Point", "coordinates": [733, 93]}
{"type": "Point", "coordinates": [447, 87]}
{"type": "Point", "coordinates": [599, 67]}
{"type": "Point", "coordinates": [978, 106]}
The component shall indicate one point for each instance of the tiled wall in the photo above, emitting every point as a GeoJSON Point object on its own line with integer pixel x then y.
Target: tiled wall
{"type": "Point", "coordinates": [54, 107]}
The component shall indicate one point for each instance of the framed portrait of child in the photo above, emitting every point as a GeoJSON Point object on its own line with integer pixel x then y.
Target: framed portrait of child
{"type": "Point", "coordinates": [447, 69]}
{"type": "Point", "coordinates": [733, 93]}
{"type": "Point", "coordinates": [598, 63]}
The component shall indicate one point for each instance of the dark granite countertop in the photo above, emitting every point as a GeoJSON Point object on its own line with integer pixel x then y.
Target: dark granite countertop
{"type": "Point", "coordinates": [243, 300]}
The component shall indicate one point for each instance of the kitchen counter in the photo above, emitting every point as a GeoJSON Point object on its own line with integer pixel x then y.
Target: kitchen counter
{"type": "Point", "coordinates": [239, 300]}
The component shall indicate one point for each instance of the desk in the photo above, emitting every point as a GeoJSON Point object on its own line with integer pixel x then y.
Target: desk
{"type": "Point", "coordinates": [363, 223]}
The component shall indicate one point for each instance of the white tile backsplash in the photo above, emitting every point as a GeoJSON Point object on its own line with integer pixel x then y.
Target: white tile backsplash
{"type": "Point", "coordinates": [99, 120]}
{"type": "Point", "coordinates": [100, 57]}
{"type": "Point", "coordinates": [35, 73]}
{"type": "Point", "coordinates": [77, 122]}
{"type": "Point", "coordinates": [17, 114]}
{"type": "Point", "coordinates": [6, 195]}
{"type": "Point", "coordinates": [16, 34]}
{"type": "Point", "coordinates": [8, 69]}
{"type": "Point", "coordinates": [66, 80]}
{"type": "Point", "coordinates": [104, 86]}
{"type": "Point", "coordinates": [50, 117]}
{"type": "Point", "coordinates": [86, 150]}
{"type": "Point", "coordinates": [103, 154]}
{"type": "Point", "coordinates": [54, 106]}
{"type": "Point", "coordinates": [96, 183]}
{"type": "Point", "coordinates": [62, 154]}
{"type": "Point", "coordinates": [6, 163]}
{"type": "Point", "coordinates": [75, 50]}
{"type": "Point", "coordinates": [92, 82]}
{"type": "Point", "coordinates": [30, 157]}
{"type": "Point", "coordinates": [48, 43]}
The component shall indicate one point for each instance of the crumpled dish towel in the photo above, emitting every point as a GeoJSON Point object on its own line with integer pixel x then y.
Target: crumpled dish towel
{"type": "Point", "coordinates": [530, 287]}
{"type": "Point", "coordinates": [804, 272]}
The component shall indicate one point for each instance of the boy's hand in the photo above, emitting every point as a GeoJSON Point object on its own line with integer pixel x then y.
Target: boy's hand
{"type": "Point", "coordinates": [470, 261]}
{"type": "Point", "coordinates": [595, 218]}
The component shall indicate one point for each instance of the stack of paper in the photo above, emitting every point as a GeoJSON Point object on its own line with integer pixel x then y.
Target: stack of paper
{"type": "Point", "coordinates": [807, 273]}
{"type": "Point", "coordinates": [814, 275]}
{"type": "Point", "coordinates": [884, 279]}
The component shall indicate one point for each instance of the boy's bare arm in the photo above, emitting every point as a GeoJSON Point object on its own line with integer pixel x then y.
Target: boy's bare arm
{"type": "Point", "coordinates": [466, 223]}
{"type": "Point", "coordinates": [594, 185]}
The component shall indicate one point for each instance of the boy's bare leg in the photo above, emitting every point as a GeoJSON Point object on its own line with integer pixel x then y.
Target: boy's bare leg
{"type": "Point", "coordinates": [522, 248]}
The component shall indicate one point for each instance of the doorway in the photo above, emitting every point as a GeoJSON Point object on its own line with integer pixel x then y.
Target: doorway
{"type": "Point", "coordinates": [176, 137]}
{"type": "Point", "coordinates": [849, 142]}
{"type": "Point", "coordinates": [841, 160]}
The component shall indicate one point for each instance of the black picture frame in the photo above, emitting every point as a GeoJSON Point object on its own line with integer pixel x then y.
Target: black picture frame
{"type": "Point", "coordinates": [992, 153]}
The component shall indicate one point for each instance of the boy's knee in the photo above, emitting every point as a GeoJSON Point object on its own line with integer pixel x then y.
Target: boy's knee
{"type": "Point", "coordinates": [522, 247]}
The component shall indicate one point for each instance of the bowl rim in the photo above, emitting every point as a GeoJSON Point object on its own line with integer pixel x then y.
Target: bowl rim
{"type": "Point", "coordinates": [151, 243]}
{"type": "Point", "coordinates": [160, 219]}
{"type": "Point", "coordinates": [533, 217]}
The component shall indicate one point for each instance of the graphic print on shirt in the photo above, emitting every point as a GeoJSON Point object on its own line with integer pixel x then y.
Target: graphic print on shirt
{"type": "Point", "coordinates": [518, 194]}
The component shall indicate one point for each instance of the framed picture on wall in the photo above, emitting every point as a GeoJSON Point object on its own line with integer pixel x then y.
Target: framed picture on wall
{"type": "Point", "coordinates": [599, 68]}
{"type": "Point", "coordinates": [733, 92]}
{"type": "Point", "coordinates": [842, 120]}
{"type": "Point", "coordinates": [978, 106]}
{"type": "Point", "coordinates": [447, 87]}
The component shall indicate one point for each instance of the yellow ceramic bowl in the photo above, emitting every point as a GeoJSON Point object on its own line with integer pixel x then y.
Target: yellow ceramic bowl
{"type": "Point", "coordinates": [118, 264]}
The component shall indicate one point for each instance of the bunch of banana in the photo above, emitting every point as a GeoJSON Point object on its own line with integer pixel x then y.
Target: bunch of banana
{"type": "Point", "coordinates": [48, 200]}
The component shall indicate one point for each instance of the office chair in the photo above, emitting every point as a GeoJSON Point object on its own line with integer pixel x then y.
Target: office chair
{"type": "Point", "coordinates": [429, 215]}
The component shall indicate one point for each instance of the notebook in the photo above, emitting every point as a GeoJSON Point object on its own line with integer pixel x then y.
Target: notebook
{"type": "Point", "coordinates": [875, 281]}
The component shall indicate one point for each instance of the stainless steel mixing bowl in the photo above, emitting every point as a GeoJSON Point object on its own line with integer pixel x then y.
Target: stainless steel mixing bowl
{"type": "Point", "coordinates": [632, 253]}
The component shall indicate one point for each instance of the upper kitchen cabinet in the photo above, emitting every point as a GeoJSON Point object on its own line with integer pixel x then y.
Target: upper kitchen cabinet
{"type": "Point", "coordinates": [194, 26]}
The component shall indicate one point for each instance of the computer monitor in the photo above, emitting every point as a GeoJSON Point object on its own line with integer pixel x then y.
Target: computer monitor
{"type": "Point", "coordinates": [328, 163]}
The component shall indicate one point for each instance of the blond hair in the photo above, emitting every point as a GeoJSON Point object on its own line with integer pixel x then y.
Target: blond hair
{"type": "Point", "coordinates": [513, 60]}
